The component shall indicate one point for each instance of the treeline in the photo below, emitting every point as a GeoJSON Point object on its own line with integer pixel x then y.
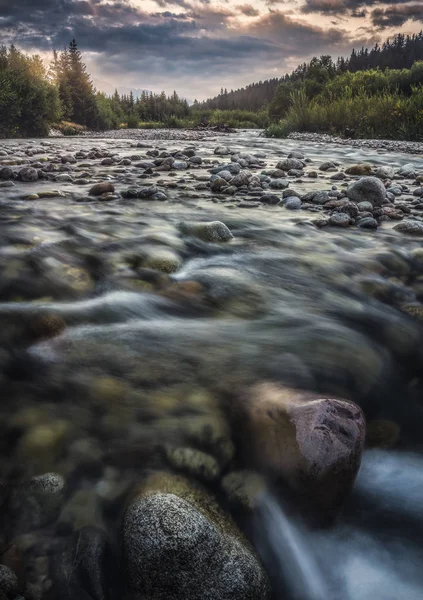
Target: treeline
{"type": "Point", "coordinates": [252, 97]}
{"type": "Point", "coordinates": [401, 52]}
{"type": "Point", "coordinates": [34, 98]}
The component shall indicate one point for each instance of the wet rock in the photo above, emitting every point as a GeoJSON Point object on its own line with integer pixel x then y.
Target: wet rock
{"type": "Point", "coordinates": [359, 170]}
{"type": "Point", "coordinates": [85, 568]}
{"type": "Point", "coordinates": [175, 537]}
{"type": "Point", "coordinates": [194, 462]}
{"type": "Point", "coordinates": [162, 259]}
{"type": "Point", "coordinates": [365, 206]}
{"type": "Point", "coordinates": [296, 154]}
{"type": "Point", "coordinates": [6, 173]}
{"type": "Point", "coordinates": [327, 166]}
{"type": "Point", "coordinates": [410, 227]}
{"type": "Point", "coordinates": [314, 444]}
{"type": "Point", "coordinates": [290, 163]}
{"type": "Point", "coordinates": [279, 184]}
{"type": "Point", "coordinates": [367, 223]}
{"type": "Point", "coordinates": [385, 173]}
{"type": "Point", "coordinates": [214, 231]}
{"type": "Point", "coordinates": [218, 184]}
{"type": "Point", "coordinates": [102, 188]}
{"type": "Point", "coordinates": [9, 584]}
{"type": "Point", "coordinates": [269, 199]}
{"type": "Point", "coordinates": [180, 165]}
{"type": "Point", "coordinates": [38, 502]}
{"type": "Point", "coordinates": [319, 197]}
{"type": "Point", "coordinates": [340, 220]}
{"type": "Point", "coordinates": [292, 203]}
{"type": "Point", "coordinates": [28, 174]}
{"type": "Point", "coordinates": [368, 189]}
{"type": "Point", "coordinates": [222, 151]}
{"type": "Point", "coordinates": [241, 179]}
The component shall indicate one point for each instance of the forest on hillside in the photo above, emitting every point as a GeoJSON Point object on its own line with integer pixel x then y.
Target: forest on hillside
{"type": "Point", "coordinates": [372, 93]}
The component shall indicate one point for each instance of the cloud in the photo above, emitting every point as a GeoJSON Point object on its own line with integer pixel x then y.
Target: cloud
{"type": "Point", "coordinates": [396, 16]}
{"type": "Point", "coordinates": [248, 10]}
{"type": "Point", "coordinates": [355, 8]}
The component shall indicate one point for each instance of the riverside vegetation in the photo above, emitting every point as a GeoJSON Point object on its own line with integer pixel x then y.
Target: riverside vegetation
{"type": "Point", "coordinates": [371, 94]}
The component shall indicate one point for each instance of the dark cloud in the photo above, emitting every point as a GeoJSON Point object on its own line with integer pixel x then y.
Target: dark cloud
{"type": "Point", "coordinates": [248, 10]}
{"type": "Point", "coordinates": [355, 8]}
{"type": "Point", "coordinates": [396, 16]}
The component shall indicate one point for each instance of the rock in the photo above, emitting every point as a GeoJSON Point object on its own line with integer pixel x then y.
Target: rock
{"type": "Point", "coordinates": [28, 174]}
{"type": "Point", "coordinates": [218, 184]}
{"type": "Point", "coordinates": [102, 188]}
{"type": "Point", "coordinates": [385, 173]}
{"type": "Point", "coordinates": [222, 151]}
{"type": "Point", "coordinates": [38, 502]}
{"type": "Point", "coordinates": [162, 259]}
{"type": "Point", "coordinates": [367, 223]}
{"type": "Point", "coordinates": [213, 231]}
{"type": "Point", "coordinates": [410, 227]}
{"type": "Point", "coordinates": [314, 444]}
{"type": "Point", "coordinates": [360, 170]}
{"type": "Point", "coordinates": [269, 199]}
{"type": "Point", "coordinates": [326, 166]}
{"type": "Point", "coordinates": [6, 173]}
{"type": "Point", "coordinates": [279, 184]}
{"type": "Point", "coordinates": [84, 569]}
{"type": "Point", "coordinates": [63, 178]}
{"type": "Point", "coordinates": [8, 582]}
{"type": "Point", "coordinates": [194, 462]}
{"type": "Point", "coordinates": [296, 154]}
{"type": "Point", "coordinates": [320, 197]}
{"type": "Point", "coordinates": [241, 179]}
{"type": "Point", "coordinates": [290, 163]}
{"type": "Point", "coordinates": [180, 165]}
{"type": "Point", "coordinates": [227, 175]}
{"type": "Point", "coordinates": [365, 206]}
{"type": "Point", "coordinates": [175, 538]}
{"type": "Point", "coordinates": [340, 219]}
{"type": "Point", "coordinates": [146, 192]}
{"type": "Point", "coordinates": [292, 203]}
{"type": "Point", "coordinates": [338, 176]}
{"type": "Point", "coordinates": [368, 189]}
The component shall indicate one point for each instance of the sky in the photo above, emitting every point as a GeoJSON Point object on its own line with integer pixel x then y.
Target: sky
{"type": "Point", "coordinates": [199, 46]}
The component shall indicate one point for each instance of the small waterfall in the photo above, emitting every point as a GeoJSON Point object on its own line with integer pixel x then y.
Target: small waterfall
{"type": "Point", "coordinates": [287, 553]}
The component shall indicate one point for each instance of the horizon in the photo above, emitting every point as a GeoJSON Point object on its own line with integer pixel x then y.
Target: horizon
{"type": "Point", "coordinates": [197, 47]}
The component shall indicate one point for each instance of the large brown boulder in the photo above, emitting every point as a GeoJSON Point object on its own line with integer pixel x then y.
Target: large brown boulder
{"type": "Point", "coordinates": [314, 444]}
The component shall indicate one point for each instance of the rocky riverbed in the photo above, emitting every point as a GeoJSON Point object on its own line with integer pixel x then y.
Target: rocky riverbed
{"type": "Point", "coordinates": [202, 339]}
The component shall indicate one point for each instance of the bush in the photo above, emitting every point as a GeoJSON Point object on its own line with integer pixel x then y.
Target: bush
{"type": "Point", "coordinates": [133, 121]}
{"type": "Point", "coordinates": [69, 128]}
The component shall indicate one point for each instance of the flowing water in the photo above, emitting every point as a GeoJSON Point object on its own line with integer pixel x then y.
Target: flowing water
{"type": "Point", "coordinates": [144, 359]}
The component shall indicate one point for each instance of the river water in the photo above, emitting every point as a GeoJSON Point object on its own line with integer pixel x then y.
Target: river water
{"type": "Point", "coordinates": [141, 357]}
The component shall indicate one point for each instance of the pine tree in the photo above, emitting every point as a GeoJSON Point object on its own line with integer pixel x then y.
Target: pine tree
{"type": "Point", "coordinates": [81, 88]}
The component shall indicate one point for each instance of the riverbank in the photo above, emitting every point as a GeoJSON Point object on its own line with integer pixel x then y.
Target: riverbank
{"type": "Point", "coordinates": [388, 145]}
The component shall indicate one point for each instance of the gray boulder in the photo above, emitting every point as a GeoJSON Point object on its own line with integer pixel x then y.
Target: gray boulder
{"type": "Point", "coordinates": [178, 544]}
{"type": "Point", "coordinates": [410, 227]}
{"type": "Point", "coordinates": [28, 174]}
{"type": "Point", "coordinates": [213, 231]}
{"type": "Point", "coordinates": [290, 163]}
{"type": "Point", "coordinates": [369, 189]}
